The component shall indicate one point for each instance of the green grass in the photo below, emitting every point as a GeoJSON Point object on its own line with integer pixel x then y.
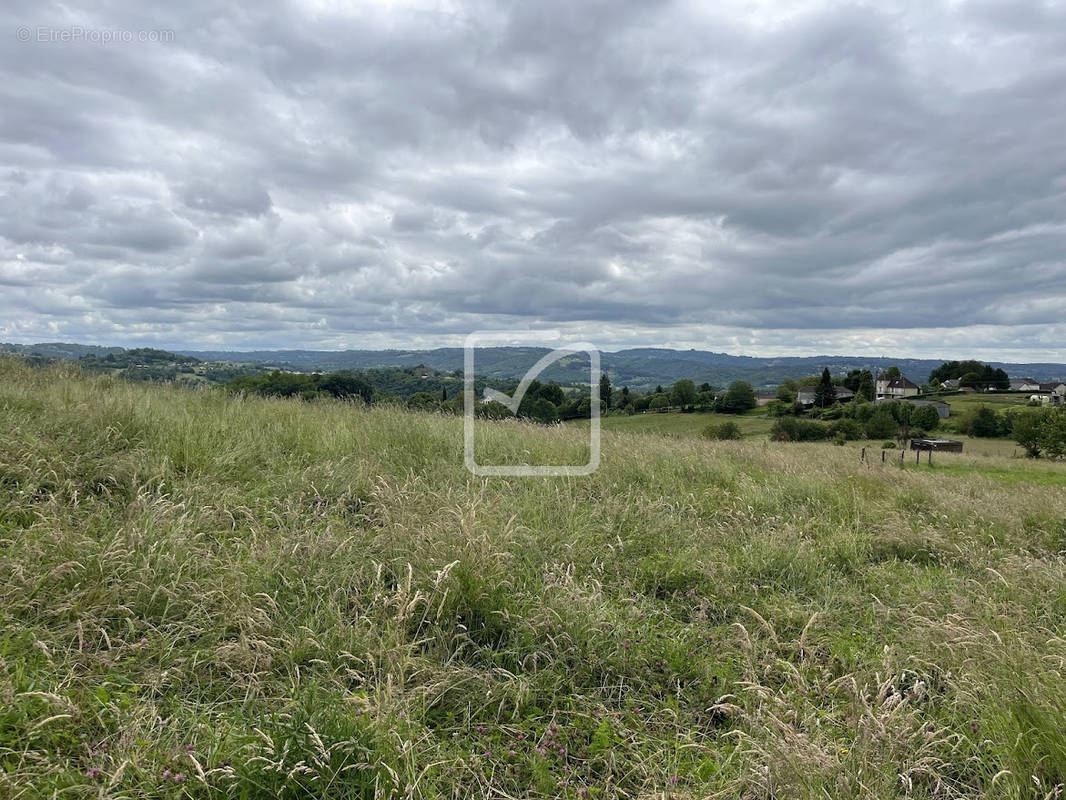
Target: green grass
{"type": "Point", "coordinates": [276, 599]}
{"type": "Point", "coordinates": [677, 424]}
{"type": "Point", "coordinates": [999, 400]}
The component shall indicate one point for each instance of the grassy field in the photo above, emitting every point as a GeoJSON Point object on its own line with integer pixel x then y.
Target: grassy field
{"type": "Point", "coordinates": [998, 400]}
{"type": "Point", "coordinates": [214, 597]}
{"type": "Point", "coordinates": [677, 424]}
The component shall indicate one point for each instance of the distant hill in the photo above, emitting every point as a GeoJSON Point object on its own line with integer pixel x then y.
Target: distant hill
{"type": "Point", "coordinates": [59, 350]}
{"type": "Point", "coordinates": [639, 368]}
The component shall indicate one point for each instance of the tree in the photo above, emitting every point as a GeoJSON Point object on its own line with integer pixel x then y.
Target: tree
{"type": "Point", "coordinates": [684, 393]}
{"type": "Point", "coordinates": [881, 424]}
{"type": "Point", "coordinates": [658, 402]}
{"type": "Point", "coordinates": [739, 397]}
{"type": "Point", "coordinates": [705, 387]}
{"type": "Point", "coordinates": [1028, 429]}
{"type": "Point", "coordinates": [892, 372]}
{"type": "Point", "coordinates": [825, 394]}
{"type": "Point", "coordinates": [543, 411]}
{"type": "Point", "coordinates": [1053, 434]}
{"type": "Point", "coordinates": [984, 422]}
{"type": "Point", "coordinates": [971, 373]}
{"type": "Point", "coordinates": [926, 418]}
{"type": "Point", "coordinates": [422, 400]}
{"type": "Point", "coordinates": [553, 393]}
{"type": "Point", "coordinates": [786, 395]}
{"type": "Point", "coordinates": [605, 390]}
{"type": "Point", "coordinates": [493, 410]}
{"type": "Point", "coordinates": [866, 388]}
{"type": "Point", "coordinates": [346, 385]}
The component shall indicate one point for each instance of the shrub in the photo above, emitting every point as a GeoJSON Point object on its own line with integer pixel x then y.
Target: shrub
{"type": "Point", "coordinates": [881, 424]}
{"type": "Point", "coordinates": [728, 430]}
{"type": "Point", "coordinates": [983, 422]}
{"type": "Point", "coordinates": [926, 417]}
{"type": "Point", "coordinates": [888, 445]}
{"type": "Point", "coordinates": [739, 397]}
{"type": "Point", "coordinates": [848, 428]}
{"type": "Point", "coordinates": [840, 440]}
{"type": "Point", "coordinates": [1041, 432]}
{"type": "Point", "coordinates": [775, 408]}
{"type": "Point", "coordinates": [790, 429]}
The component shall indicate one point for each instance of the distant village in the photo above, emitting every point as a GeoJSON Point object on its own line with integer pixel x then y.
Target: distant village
{"type": "Point", "coordinates": [1051, 394]}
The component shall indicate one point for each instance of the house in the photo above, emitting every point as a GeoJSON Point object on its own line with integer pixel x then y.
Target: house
{"type": "Point", "coordinates": [1024, 385]}
{"type": "Point", "coordinates": [896, 388]}
{"type": "Point", "coordinates": [943, 410]}
{"type": "Point", "coordinates": [805, 396]}
{"type": "Point", "coordinates": [951, 384]}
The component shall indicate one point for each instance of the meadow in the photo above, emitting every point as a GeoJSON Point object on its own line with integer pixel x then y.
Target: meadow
{"type": "Point", "coordinates": [672, 423]}
{"type": "Point", "coordinates": [208, 596]}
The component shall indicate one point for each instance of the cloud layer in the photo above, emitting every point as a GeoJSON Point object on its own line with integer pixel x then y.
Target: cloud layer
{"type": "Point", "coordinates": [765, 177]}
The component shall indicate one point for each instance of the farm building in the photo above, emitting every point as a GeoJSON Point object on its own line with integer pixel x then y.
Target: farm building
{"type": "Point", "coordinates": [943, 410]}
{"type": "Point", "coordinates": [937, 445]}
{"type": "Point", "coordinates": [805, 396]}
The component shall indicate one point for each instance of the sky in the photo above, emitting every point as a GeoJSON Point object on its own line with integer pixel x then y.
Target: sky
{"type": "Point", "coordinates": [766, 178]}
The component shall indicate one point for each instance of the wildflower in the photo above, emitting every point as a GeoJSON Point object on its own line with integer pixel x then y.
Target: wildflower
{"type": "Point", "coordinates": [511, 753]}
{"type": "Point", "coordinates": [480, 728]}
{"type": "Point", "coordinates": [93, 772]}
{"type": "Point", "coordinates": [179, 778]}
{"type": "Point", "coordinates": [487, 754]}
{"type": "Point", "coordinates": [673, 780]}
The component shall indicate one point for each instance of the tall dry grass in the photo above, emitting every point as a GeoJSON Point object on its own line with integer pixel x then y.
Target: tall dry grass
{"type": "Point", "coordinates": [205, 596]}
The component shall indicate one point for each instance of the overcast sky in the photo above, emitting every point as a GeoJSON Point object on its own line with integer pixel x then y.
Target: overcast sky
{"type": "Point", "coordinates": [754, 177]}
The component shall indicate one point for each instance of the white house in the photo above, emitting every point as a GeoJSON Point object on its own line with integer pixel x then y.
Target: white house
{"type": "Point", "coordinates": [1024, 385]}
{"type": "Point", "coordinates": [896, 388]}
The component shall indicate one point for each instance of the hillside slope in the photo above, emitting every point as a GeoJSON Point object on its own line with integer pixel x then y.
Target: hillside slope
{"type": "Point", "coordinates": [639, 368]}
{"type": "Point", "coordinates": [205, 596]}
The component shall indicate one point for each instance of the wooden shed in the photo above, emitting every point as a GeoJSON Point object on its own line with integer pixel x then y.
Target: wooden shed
{"type": "Point", "coordinates": [939, 445]}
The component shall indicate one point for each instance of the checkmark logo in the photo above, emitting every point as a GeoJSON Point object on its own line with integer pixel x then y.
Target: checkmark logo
{"type": "Point", "coordinates": [514, 401]}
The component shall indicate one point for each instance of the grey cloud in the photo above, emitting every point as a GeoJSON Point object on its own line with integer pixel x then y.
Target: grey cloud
{"type": "Point", "coordinates": [656, 172]}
